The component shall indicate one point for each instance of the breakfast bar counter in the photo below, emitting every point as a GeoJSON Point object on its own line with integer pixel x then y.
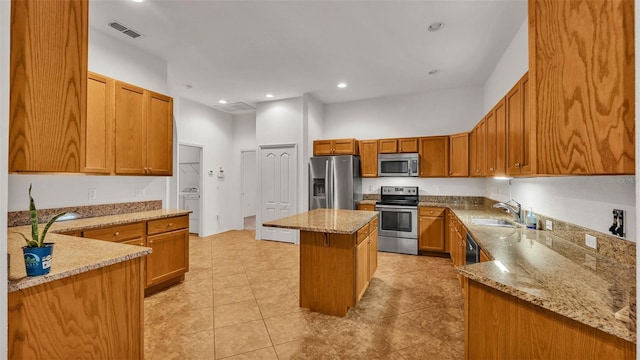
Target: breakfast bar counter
{"type": "Point", "coordinates": [338, 256]}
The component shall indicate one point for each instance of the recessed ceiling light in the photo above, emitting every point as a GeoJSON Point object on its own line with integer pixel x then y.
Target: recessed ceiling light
{"type": "Point", "coordinates": [436, 26]}
{"type": "Point", "coordinates": [269, 96]}
{"type": "Point", "coordinates": [342, 85]}
{"type": "Point", "coordinates": [137, 0]}
{"type": "Point", "coordinates": [433, 72]}
{"type": "Point", "coordinates": [222, 101]}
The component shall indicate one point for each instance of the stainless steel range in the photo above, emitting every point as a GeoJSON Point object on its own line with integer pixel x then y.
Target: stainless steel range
{"type": "Point", "coordinates": [398, 227]}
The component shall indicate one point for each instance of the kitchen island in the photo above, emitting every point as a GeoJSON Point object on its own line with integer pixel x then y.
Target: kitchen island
{"type": "Point", "coordinates": [338, 256]}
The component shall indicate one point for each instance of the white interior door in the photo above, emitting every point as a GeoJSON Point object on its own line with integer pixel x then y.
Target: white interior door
{"type": "Point", "coordinates": [278, 169]}
{"type": "Point", "coordinates": [249, 183]}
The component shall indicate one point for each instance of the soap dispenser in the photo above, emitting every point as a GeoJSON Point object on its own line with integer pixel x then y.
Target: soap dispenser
{"type": "Point", "coordinates": [531, 220]}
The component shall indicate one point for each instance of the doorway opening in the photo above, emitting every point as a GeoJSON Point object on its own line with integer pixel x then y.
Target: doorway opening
{"type": "Point", "coordinates": [249, 163]}
{"type": "Point", "coordinates": [190, 184]}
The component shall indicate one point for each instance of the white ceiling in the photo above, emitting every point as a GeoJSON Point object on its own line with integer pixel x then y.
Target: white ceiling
{"type": "Point", "coordinates": [241, 50]}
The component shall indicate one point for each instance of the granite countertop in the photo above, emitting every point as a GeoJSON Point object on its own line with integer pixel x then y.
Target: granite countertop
{"type": "Point", "coordinates": [326, 221]}
{"type": "Point", "coordinates": [74, 255]}
{"type": "Point", "coordinates": [548, 271]}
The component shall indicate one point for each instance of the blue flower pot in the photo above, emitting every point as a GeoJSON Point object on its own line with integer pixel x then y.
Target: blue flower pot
{"type": "Point", "coordinates": [37, 260]}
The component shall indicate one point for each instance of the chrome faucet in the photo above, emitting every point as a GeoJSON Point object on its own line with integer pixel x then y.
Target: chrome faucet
{"type": "Point", "coordinates": [515, 210]}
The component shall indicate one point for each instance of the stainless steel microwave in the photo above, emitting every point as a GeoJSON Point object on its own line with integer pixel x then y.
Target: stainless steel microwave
{"type": "Point", "coordinates": [398, 164]}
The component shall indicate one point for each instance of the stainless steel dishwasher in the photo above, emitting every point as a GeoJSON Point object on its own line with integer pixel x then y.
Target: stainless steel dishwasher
{"type": "Point", "coordinates": [473, 251]}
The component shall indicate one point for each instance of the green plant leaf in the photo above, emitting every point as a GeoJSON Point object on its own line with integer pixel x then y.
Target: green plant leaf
{"type": "Point", "coordinates": [46, 228]}
{"type": "Point", "coordinates": [30, 243]}
{"type": "Point", "coordinates": [33, 212]}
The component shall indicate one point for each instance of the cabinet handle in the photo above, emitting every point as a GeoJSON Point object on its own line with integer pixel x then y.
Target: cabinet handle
{"type": "Point", "coordinates": [150, 241]}
{"type": "Point", "coordinates": [116, 233]}
{"type": "Point", "coordinates": [170, 224]}
{"type": "Point", "coordinates": [517, 165]}
{"type": "Point", "coordinates": [490, 169]}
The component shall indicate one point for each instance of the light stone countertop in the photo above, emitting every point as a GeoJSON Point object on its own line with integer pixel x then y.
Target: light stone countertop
{"type": "Point", "coordinates": [333, 221]}
{"type": "Point", "coordinates": [545, 270]}
{"type": "Point", "coordinates": [73, 255]}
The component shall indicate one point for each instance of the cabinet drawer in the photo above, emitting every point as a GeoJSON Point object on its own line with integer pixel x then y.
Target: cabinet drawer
{"type": "Point", "coordinates": [362, 233]}
{"type": "Point", "coordinates": [373, 225]}
{"type": "Point", "coordinates": [168, 224]}
{"type": "Point", "coordinates": [431, 211]}
{"type": "Point", "coordinates": [116, 233]}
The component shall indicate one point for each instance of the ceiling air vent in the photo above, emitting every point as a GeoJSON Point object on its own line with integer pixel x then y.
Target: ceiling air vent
{"type": "Point", "coordinates": [234, 108]}
{"type": "Point", "coordinates": [125, 30]}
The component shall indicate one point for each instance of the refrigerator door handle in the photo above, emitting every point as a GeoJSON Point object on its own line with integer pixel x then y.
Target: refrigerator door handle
{"type": "Point", "coordinates": [334, 198]}
{"type": "Point", "coordinates": [328, 194]}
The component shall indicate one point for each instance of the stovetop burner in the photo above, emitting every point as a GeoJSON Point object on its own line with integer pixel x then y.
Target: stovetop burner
{"type": "Point", "coordinates": [399, 196]}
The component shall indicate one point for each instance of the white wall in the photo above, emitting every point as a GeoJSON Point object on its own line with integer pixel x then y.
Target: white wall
{"type": "Point", "coordinates": [512, 65]}
{"type": "Point", "coordinates": [313, 124]}
{"type": "Point", "coordinates": [202, 125]}
{"type": "Point", "coordinates": [281, 122]}
{"type": "Point", "coordinates": [588, 200]}
{"type": "Point", "coordinates": [5, 31]}
{"type": "Point", "coordinates": [244, 138]}
{"type": "Point", "coordinates": [435, 186]}
{"type": "Point", "coordinates": [115, 59]}
{"type": "Point", "coordinates": [441, 112]}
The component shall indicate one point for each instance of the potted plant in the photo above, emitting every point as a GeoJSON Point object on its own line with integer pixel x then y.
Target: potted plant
{"type": "Point", "coordinates": [37, 253]}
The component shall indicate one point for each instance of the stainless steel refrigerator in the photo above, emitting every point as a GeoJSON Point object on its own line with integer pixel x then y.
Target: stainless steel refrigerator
{"type": "Point", "coordinates": [334, 182]}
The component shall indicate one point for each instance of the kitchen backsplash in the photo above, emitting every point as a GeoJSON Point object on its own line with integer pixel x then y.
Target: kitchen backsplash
{"type": "Point", "coordinates": [18, 218]}
{"type": "Point", "coordinates": [438, 199]}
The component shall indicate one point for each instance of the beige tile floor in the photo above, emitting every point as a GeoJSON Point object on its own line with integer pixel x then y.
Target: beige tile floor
{"type": "Point", "coordinates": [240, 301]}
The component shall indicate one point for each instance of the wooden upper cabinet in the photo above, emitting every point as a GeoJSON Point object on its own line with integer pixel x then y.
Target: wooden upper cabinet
{"type": "Point", "coordinates": [159, 134]}
{"type": "Point", "coordinates": [518, 129]}
{"type": "Point", "coordinates": [130, 130]}
{"type": "Point", "coordinates": [459, 155]}
{"type": "Point", "coordinates": [48, 84]}
{"type": "Point", "coordinates": [496, 126]}
{"type": "Point", "coordinates": [402, 145]}
{"type": "Point", "coordinates": [335, 147]}
{"type": "Point", "coordinates": [434, 156]}
{"type": "Point", "coordinates": [388, 146]}
{"type": "Point", "coordinates": [581, 67]}
{"type": "Point", "coordinates": [97, 127]}
{"type": "Point", "coordinates": [478, 149]}
{"type": "Point", "coordinates": [368, 158]}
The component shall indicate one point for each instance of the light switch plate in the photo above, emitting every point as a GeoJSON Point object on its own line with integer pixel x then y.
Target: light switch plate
{"type": "Point", "coordinates": [548, 225]}
{"type": "Point", "coordinates": [591, 241]}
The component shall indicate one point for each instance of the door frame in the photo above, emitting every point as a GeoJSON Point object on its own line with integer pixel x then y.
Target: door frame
{"type": "Point", "coordinates": [297, 200]}
{"type": "Point", "coordinates": [242, 178]}
{"type": "Point", "coordinates": [201, 181]}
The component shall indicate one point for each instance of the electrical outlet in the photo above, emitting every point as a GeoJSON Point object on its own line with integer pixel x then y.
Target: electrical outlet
{"type": "Point", "coordinates": [591, 241]}
{"type": "Point", "coordinates": [93, 194]}
{"type": "Point", "coordinates": [139, 192]}
{"type": "Point", "coordinates": [549, 225]}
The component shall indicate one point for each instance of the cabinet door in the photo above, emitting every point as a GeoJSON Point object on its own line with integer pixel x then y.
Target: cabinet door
{"type": "Point", "coordinates": [478, 149]}
{"type": "Point", "coordinates": [159, 134]}
{"type": "Point", "coordinates": [170, 256]}
{"type": "Point", "coordinates": [130, 156]}
{"type": "Point", "coordinates": [408, 145]}
{"type": "Point", "coordinates": [496, 140]}
{"type": "Point", "coordinates": [345, 147]}
{"type": "Point", "coordinates": [368, 158]}
{"type": "Point", "coordinates": [431, 237]}
{"type": "Point", "coordinates": [367, 207]}
{"type": "Point", "coordinates": [373, 252]}
{"type": "Point", "coordinates": [459, 155]}
{"type": "Point", "coordinates": [434, 156]}
{"type": "Point", "coordinates": [525, 163]}
{"type": "Point", "coordinates": [117, 233]}
{"type": "Point", "coordinates": [388, 146]}
{"type": "Point", "coordinates": [322, 147]}
{"type": "Point", "coordinates": [97, 127]}
{"type": "Point", "coordinates": [48, 85]}
{"type": "Point", "coordinates": [515, 130]}
{"type": "Point", "coordinates": [362, 268]}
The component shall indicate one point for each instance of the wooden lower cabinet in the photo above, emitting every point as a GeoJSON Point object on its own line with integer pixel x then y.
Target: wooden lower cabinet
{"type": "Point", "coordinates": [335, 269]}
{"type": "Point", "coordinates": [431, 223]}
{"type": "Point", "coordinates": [367, 207]}
{"type": "Point", "coordinates": [170, 256]}
{"type": "Point", "coordinates": [96, 314]}
{"type": "Point", "coordinates": [457, 244]}
{"type": "Point", "coordinates": [501, 326]}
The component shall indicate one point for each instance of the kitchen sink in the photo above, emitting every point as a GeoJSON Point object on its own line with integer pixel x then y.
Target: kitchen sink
{"type": "Point", "coordinates": [493, 222]}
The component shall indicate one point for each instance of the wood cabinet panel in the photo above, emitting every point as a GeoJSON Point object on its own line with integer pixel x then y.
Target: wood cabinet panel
{"type": "Point", "coordinates": [500, 326]}
{"type": "Point", "coordinates": [168, 224]}
{"type": "Point", "coordinates": [97, 127]}
{"type": "Point", "coordinates": [159, 157]}
{"type": "Point", "coordinates": [322, 147]}
{"type": "Point", "coordinates": [368, 158]}
{"type": "Point", "coordinates": [434, 156]}
{"type": "Point", "coordinates": [496, 146]}
{"type": "Point", "coordinates": [367, 207]}
{"type": "Point", "coordinates": [130, 130]}
{"type": "Point", "coordinates": [373, 250]}
{"type": "Point", "coordinates": [459, 155]}
{"type": "Point", "coordinates": [335, 147]}
{"type": "Point", "coordinates": [518, 132]}
{"type": "Point", "coordinates": [582, 67]}
{"type": "Point", "coordinates": [478, 149]}
{"type": "Point", "coordinates": [92, 315]}
{"type": "Point", "coordinates": [388, 146]}
{"type": "Point", "coordinates": [483, 256]}
{"type": "Point", "coordinates": [117, 233]}
{"type": "Point", "coordinates": [48, 85]}
{"type": "Point", "coordinates": [408, 145]}
{"type": "Point", "coordinates": [362, 269]}
{"type": "Point", "coordinates": [431, 236]}
{"type": "Point", "coordinates": [170, 256]}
